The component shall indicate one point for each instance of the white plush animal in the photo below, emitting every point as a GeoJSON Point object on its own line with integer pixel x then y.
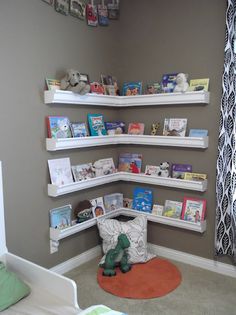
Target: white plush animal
{"type": "Point", "coordinates": [164, 169]}
{"type": "Point", "coordinates": [181, 83]}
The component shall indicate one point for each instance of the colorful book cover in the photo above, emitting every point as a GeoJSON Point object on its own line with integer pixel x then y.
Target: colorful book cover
{"type": "Point", "coordinates": [200, 133]}
{"type": "Point", "coordinates": [130, 162]}
{"type": "Point", "coordinates": [78, 9]}
{"type": "Point", "coordinates": [154, 88]}
{"type": "Point", "coordinates": [60, 218]}
{"type": "Point", "coordinates": [96, 125]}
{"type": "Point", "coordinates": [172, 209]}
{"type": "Point", "coordinates": [195, 176]}
{"type": "Point", "coordinates": [82, 172]}
{"type": "Point", "coordinates": [115, 128]}
{"type": "Point", "coordinates": [128, 203]}
{"type": "Point", "coordinates": [62, 6]}
{"type": "Point", "coordinates": [136, 128]}
{"type": "Point", "coordinates": [78, 129]}
{"type": "Point", "coordinates": [175, 127]}
{"type": "Point", "coordinates": [98, 207]}
{"type": "Point", "coordinates": [53, 84]}
{"type": "Point", "coordinates": [92, 15]}
{"type": "Point", "coordinates": [58, 127]}
{"type": "Point", "coordinates": [199, 85]}
{"type": "Point", "coordinates": [97, 88]}
{"type": "Point", "coordinates": [142, 199]}
{"type": "Point", "coordinates": [157, 209]}
{"type": "Point", "coordinates": [194, 209]}
{"type": "Point", "coordinates": [103, 15]}
{"type": "Point", "coordinates": [104, 167]}
{"type": "Point", "coordinates": [60, 171]}
{"type": "Point", "coordinates": [152, 170]}
{"type": "Point", "coordinates": [168, 82]}
{"type": "Point", "coordinates": [178, 170]}
{"type": "Point", "coordinates": [132, 88]}
{"type": "Point", "coordinates": [113, 201]}
{"type": "Point", "coordinates": [113, 10]}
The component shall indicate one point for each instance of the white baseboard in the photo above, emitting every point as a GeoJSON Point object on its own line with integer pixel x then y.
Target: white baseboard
{"type": "Point", "coordinates": [77, 260]}
{"type": "Point", "coordinates": [197, 261]}
{"type": "Point", "coordinates": [165, 252]}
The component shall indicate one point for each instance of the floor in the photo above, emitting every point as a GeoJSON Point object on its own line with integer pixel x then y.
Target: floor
{"type": "Point", "coordinates": [201, 292]}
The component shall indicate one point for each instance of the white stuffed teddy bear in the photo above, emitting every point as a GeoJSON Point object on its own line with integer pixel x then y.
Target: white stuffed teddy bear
{"type": "Point", "coordinates": [72, 82]}
{"type": "Point", "coordinates": [181, 83]}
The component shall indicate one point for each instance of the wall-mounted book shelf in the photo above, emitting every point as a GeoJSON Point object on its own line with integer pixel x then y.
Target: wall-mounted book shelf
{"type": "Point", "coordinates": [68, 97]}
{"type": "Point", "coordinates": [55, 191]}
{"type": "Point", "coordinates": [56, 235]}
{"type": "Point", "coordinates": [84, 142]}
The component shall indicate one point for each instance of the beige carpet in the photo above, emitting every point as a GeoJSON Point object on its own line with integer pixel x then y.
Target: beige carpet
{"type": "Point", "coordinates": [201, 293]}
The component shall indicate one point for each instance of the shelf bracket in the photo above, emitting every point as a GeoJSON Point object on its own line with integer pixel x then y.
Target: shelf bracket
{"type": "Point", "coordinates": [54, 246]}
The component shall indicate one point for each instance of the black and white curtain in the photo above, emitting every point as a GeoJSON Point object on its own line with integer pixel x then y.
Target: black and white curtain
{"type": "Point", "coordinates": [225, 243]}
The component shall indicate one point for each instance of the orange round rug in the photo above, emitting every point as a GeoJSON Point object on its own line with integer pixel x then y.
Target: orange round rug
{"type": "Point", "coordinates": [144, 281]}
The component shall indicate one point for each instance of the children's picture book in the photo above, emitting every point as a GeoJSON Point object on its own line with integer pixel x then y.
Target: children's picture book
{"type": "Point", "coordinates": [60, 218]}
{"type": "Point", "coordinates": [78, 129]}
{"type": "Point", "coordinates": [193, 209]}
{"type": "Point", "coordinates": [175, 127]}
{"type": "Point", "coordinates": [127, 203]}
{"type": "Point", "coordinates": [110, 84]}
{"type": "Point", "coordinates": [60, 171]}
{"type": "Point", "coordinates": [92, 15]}
{"type": "Point", "coordinates": [154, 88]}
{"type": "Point", "coordinates": [78, 9]}
{"type": "Point", "coordinates": [195, 176]}
{"type": "Point", "coordinates": [62, 6]}
{"type": "Point", "coordinates": [172, 209]}
{"type": "Point", "coordinates": [200, 133]}
{"type": "Point", "coordinates": [152, 170]}
{"type": "Point", "coordinates": [157, 209]}
{"type": "Point", "coordinates": [130, 162]}
{"type": "Point", "coordinates": [178, 170]}
{"type": "Point", "coordinates": [82, 171]}
{"type": "Point", "coordinates": [103, 15]}
{"type": "Point", "coordinates": [115, 128]}
{"type": "Point", "coordinates": [104, 167]}
{"type": "Point", "coordinates": [113, 201]}
{"type": "Point", "coordinates": [97, 88]}
{"type": "Point", "coordinates": [98, 207]}
{"type": "Point", "coordinates": [58, 127]}
{"type": "Point", "coordinates": [113, 10]}
{"type": "Point", "coordinates": [96, 125]}
{"type": "Point", "coordinates": [136, 128]}
{"type": "Point", "coordinates": [199, 85]}
{"type": "Point", "coordinates": [142, 199]}
{"type": "Point", "coordinates": [53, 84]}
{"type": "Point", "coordinates": [168, 82]}
{"type": "Point", "coordinates": [132, 88]}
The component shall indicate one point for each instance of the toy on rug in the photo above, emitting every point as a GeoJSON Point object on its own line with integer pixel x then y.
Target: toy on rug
{"type": "Point", "coordinates": [74, 82]}
{"type": "Point", "coordinates": [117, 257]}
{"type": "Point", "coordinates": [181, 83]}
{"type": "Point", "coordinates": [155, 128]}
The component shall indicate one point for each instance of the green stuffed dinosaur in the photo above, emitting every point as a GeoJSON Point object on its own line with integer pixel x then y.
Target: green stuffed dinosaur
{"type": "Point", "coordinates": [117, 257]}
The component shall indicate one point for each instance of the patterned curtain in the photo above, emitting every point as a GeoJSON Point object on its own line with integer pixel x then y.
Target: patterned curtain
{"type": "Point", "coordinates": [225, 243]}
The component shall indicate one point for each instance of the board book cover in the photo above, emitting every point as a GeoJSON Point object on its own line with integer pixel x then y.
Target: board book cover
{"type": "Point", "coordinates": [157, 209]}
{"type": "Point", "coordinates": [78, 9]}
{"type": "Point", "coordinates": [130, 162]}
{"type": "Point", "coordinates": [195, 176]}
{"type": "Point", "coordinates": [127, 203]}
{"type": "Point", "coordinates": [58, 127]}
{"type": "Point", "coordinates": [115, 128]}
{"type": "Point", "coordinates": [199, 85]}
{"type": "Point", "coordinates": [53, 84]}
{"type": "Point", "coordinates": [92, 15]}
{"type": "Point", "coordinates": [78, 129]}
{"type": "Point", "coordinates": [136, 128]}
{"type": "Point", "coordinates": [200, 133]}
{"type": "Point", "coordinates": [142, 199]}
{"type": "Point", "coordinates": [194, 209]}
{"type": "Point", "coordinates": [172, 209]}
{"type": "Point", "coordinates": [132, 88]}
{"type": "Point", "coordinates": [113, 201]}
{"type": "Point", "coordinates": [152, 170]}
{"type": "Point", "coordinates": [103, 15]}
{"type": "Point", "coordinates": [175, 127]}
{"type": "Point", "coordinates": [168, 82]}
{"type": "Point", "coordinates": [178, 170]}
{"type": "Point", "coordinates": [98, 207]}
{"type": "Point", "coordinates": [82, 171]}
{"type": "Point", "coordinates": [61, 218]}
{"type": "Point", "coordinates": [104, 167]}
{"type": "Point", "coordinates": [60, 171]}
{"type": "Point", "coordinates": [96, 125]}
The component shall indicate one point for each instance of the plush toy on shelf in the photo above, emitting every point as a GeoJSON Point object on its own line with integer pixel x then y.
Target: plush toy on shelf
{"type": "Point", "coordinates": [164, 169]}
{"type": "Point", "coordinates": [181, 83]}
{"type": "Point", "coordinates": [155, 128]}
{"type": "Point", "coordinates": [75, 82]}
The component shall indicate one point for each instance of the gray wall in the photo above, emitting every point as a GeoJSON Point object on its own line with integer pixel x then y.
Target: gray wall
{"type": "Point", "coordinates": [151, 38]}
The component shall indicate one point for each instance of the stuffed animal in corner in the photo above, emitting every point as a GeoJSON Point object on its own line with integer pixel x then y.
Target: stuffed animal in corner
{"type": "Point", "coordinates": [72, 81]}
{"type": "Point", "coordinates": [181, 83]}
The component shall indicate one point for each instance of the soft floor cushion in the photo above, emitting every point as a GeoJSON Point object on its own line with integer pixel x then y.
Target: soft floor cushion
{"type": "Point", "coordinates": [12, 289]}
{"type": "Point", "coordinates": [136, 231]}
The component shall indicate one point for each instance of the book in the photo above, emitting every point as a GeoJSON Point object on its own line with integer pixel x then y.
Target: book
{"type": "Point", "coordinates": [142, 199]}
{"type": "Point", "coordinates": [172, 209]}
{"type": "Point", "coordinates": [136, 128]}
{"type": "Point", "coordinates": [78, 9]}
{"type": "Point", "coordinates": [178, 170]}
{"type": "Point", "coordinates": [157, 209]}
{"type": "Point", "coordinates": [60, 171]}
{"type": "Point", "coordinates": [98, 207]}
{"type": "Point", "coordinates": [104, 167]}
{"type": "Point", "coordinates": [78, 129]}
{"type": "Point", "coordinates": [62, 6]}
{"type": "Point", "coordinates": [168, 82]}
{"type": "Point", "coordinates": [103, 15]}
{"type": "Point", "coordinates": [96, 125]}
{"type": "Point", "coordinates": [60, 218]}
{"type": "Point", "coordinates": [128, 203]}
{"type": "Point", "coordinates": [53, 84]}
{"type": "Point", "coordinates": [154, 88]}
{"type": "Point", "coordinates": [193, 209]}
{"type": "Point", "coordinates": [82, 172]}
{"type": "Point", "coordinates": [113, 10]}
{"type": "Point", "coordinates": [152, 170]}
{"type": "Point", "coordinates": [58, 127]}
{"type": "Point", "coordinates": [199, 85]}
{"type": "Point", "coordinates": [132, 88]}
{"type": "Point", "coordinates": [110, 84]}
{"type": "Point", "coordinates": [97, 88]}
{"type": "Point", "coordinates": [91, 15]}
{"type": "Point", "coordinates": [115, 128]}
{"type": "Point", "coordinates": [195, 176]}
{"type": "Point", "coordinates": [130, 162]}
{"type": "Point", "coordinates": [201, 133]}
{"type": "Point", "coordinates": [113, 201]}
{"type": "Point", "coordinates": [175, 127]}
